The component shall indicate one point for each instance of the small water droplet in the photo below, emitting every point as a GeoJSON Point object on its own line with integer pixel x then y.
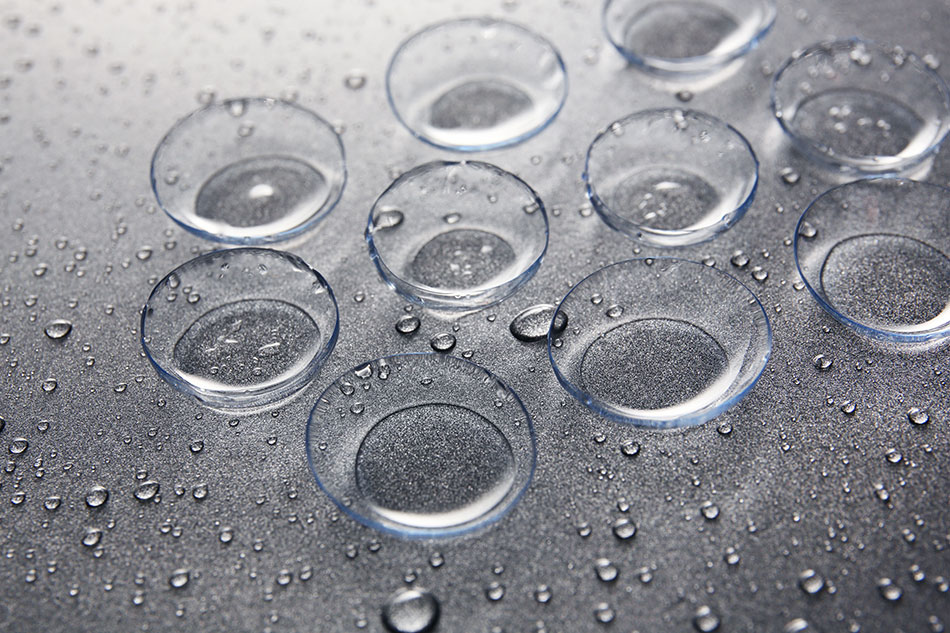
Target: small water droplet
{"type": "Point", "coordinates": [790, 176]}
{"type": "Point", "coordinates": [918, 416]}
{"type": "Point", "coordinates": [685, 96]}
{"type": "Point", "coordinates": [822, 362]}
{"type": "Point", "coordinates": [146, 490]}
{"type": "Point", "coordinates": [408, 324]}
{"type": "Point", "coordinates": [624, 529]}
{"type": "Point", "coordinates": [604, 613]}
{"type": "Point", "coordinates": [179, 578]}
{"type": "Point", "coordinates": [411, 611]}
{"type": "Point", "coordinates": [606, 570]}
{"type": "Point", "coordinates": [739, 259]}
{"type": "Point", "coordinates": [58, 329]}
{"type": "Point", "coordinates": [709, 510]}
{"type": "Point", "coordinates": [355, 80]}
{"type": "Point", "coordinates": [97, 496]}
{"type": "Point", "coordinates": [542, 594]}
{"type": "Point", "coordinates": [444, 342]}
{"type": "Point", "coordinates": [19, 445]}
{"type": "Point", "coordinates": [630, 448]}
{"type": "Point", "coordinates": [495, 591]}
{"type": "Point", "coordinates": [92, 537]}
{"type": "Point", "coordinates": [810, 582]}
{"type": "Point", "coordinates": [705, 620]}
{"type": "Point", "coordinates": [807, 230]}
{"type": "Point", "coordinates": [888, 590]}
{"type": "Point", "coordinates": [532, 324]}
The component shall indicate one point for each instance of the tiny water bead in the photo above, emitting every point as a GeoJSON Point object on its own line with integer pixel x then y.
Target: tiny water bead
{"type": "Point", "coordinates": [861, 106]}
{"type": "Point", "coordinates": [686, 37]}
{"type": "Point", "coordinates": [425, 445]}
{"type": "Point", "coordinates": [476, 83]}
{"type": "Point", "coordinates": [690, 343]}
{"type": "Point", "coordinates": [250, 170]}
{"type": "Point", "coordinates": [411, 611]}
{"type": "Point", "coordinates": [241, 327]}
{"type": "Point", "coordinates": [670, 177]}
{"type": "Point", "coordinates": [468, 234]}
{"type": "Point", "coordinates": [875, 254]}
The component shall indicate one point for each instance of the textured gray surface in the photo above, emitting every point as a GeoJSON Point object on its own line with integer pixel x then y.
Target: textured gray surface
{"type": "Point", "coordinates": [87, 90]}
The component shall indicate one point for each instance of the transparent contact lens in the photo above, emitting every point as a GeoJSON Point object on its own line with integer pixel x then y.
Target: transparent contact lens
{"type": "Point", "coordinates": [249, 171]}
{"type": "Point", "coordinates": [660, 342]}
{"type": "Point", "coordinates": [686, 37]}
{"type": "Point", "coordinates": [476, 83]}
{"type": "Point", "coordinates": [240, 328]}
{"type": "Point", "coordinates": [876, 256]}
{"type": "Point", "coordinates": [671, 177]}
{"type": "Point", "coordinates": [861, 107]}
{"type": "Point", "coordinates": [457, 235]}
{"type": "Point", "coordinates": [421, 445]}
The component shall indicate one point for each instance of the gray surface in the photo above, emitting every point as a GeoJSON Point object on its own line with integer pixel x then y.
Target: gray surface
{"type": "Point", "coordinates": [87, 90]}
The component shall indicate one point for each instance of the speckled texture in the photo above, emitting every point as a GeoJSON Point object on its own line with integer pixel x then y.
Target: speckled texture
{"type": "Point", "coordinates": [86, 92]}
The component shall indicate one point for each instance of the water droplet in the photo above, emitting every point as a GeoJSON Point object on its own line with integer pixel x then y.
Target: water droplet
{"type": "Point", "coordinates": [226, 535]}
{"type": "Point", "coordinates": [532, 324]}
{"type": "Point", "coordinates": [436, 560]}
{"type": "Point", "coordinates": [604, 614]}
{"type": "Point", "coordinates": [197, 446]}
{"type": "Point", "coordinates": [411, 611]}
{"type": "Point", "coordinates": [49, 385]}
{"type": "Point", "coordinates": [284, 577]}
{"type": "Point", "coordinates": [388, 219]}
{"type": "Point", "coordinates": [542, 594]}
{"type": "Point", "coordinates": [822, 362]}
{"type": "Point", "coordinates": [810, 582]}
{"type": "Point", "coordinates": [918, 416]}
{"type": "Point", "coordinates": [807, 230]}
{"type": "Point", "coordinates": [724, 429]}
{"type": "Point", "coordinates": [630, 448]}
{"type": "Point", "coordinates": [355, 80]}
{"type": "Point", "coordinates": [200, 492]}
{"type": "Point", "coordinates": [97, 496]}
{"type": "Point", "coordinates": [739, 259]}
{"type": "Point", "coordinates": [146, 490]}
{"type": "Point", "coordinates": [685, 96]}
{"type": "Point", "coordinates": [58, 329]}
{"type": "Point", "coordinates": [614, 311]}
{"type": "Point", "coordinates": [92, 537]}
{"type": "Point", "coordinates": [408, 324]}
{"type": "Point", "coordinates": [624, 529]}
{"type": "Point", "coordinates": [705, 620]}
{"type": "Point", "coordinates": [52, 502]}
{"type": "Point", "coordinates": [442, 342]}
{"type": "Point", "coordinates": [179, 578]}
{"type": "Point", "coordinates": [606, 570]}
{"type": "Point", "coordinates": [709, 510]}
{"type": "Point", "coordinates": [19, 445]}
{"type": "Point", "coordinates": [495, 591]}
{"type": "Point", "coordinates": [731, 556]}
{"type": "Point", "coordinates": [888, 590]}
{"type": "Point", "coordinates": [790, 176]}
